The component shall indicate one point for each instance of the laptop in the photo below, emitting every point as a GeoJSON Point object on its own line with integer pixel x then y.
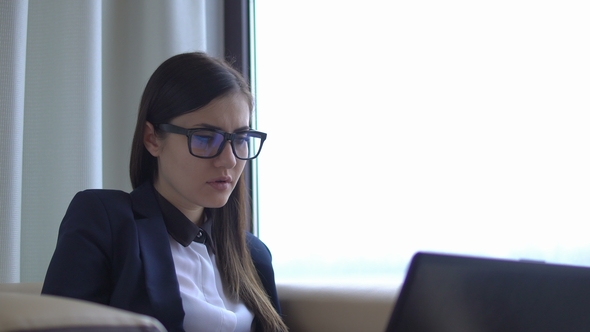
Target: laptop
{"type": "Point", "coordinates": [453, 293]}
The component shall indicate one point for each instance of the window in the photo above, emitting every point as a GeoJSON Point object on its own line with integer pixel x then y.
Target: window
{"type": "Point", "coordinates": [394, 127]}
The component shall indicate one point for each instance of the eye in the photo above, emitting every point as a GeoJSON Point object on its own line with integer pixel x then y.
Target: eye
{"type": "Point", "coordinates": [241, 138]}
{"type": "Point", "coordinates": [204, 139]}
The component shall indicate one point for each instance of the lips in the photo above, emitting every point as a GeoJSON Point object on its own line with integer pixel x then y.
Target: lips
{"type": "Point", "coordinates": [220, 180]}
{"type": "Point", "coordinates": [221, 183]}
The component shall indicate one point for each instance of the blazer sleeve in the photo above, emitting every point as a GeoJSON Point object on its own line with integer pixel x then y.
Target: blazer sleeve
{"type": "Point", "coordinates": [81, 264]}
{"type": "Point", "coordinates": [262, 259]}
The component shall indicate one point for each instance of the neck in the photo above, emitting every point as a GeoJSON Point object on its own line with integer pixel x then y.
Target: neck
{"type": "Point", "coordinates": [194, 213]}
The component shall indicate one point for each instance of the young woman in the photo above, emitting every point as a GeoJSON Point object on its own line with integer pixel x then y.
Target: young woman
{"type": "Point", "coordinates": [177, 247]}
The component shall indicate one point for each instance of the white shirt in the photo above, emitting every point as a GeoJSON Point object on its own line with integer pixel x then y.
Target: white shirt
{"type": "Point", "coordinates": [203, 296]}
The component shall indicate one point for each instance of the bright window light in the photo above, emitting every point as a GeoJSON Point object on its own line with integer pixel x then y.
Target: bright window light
{"type": "Point", "coordinates": [399, 126]}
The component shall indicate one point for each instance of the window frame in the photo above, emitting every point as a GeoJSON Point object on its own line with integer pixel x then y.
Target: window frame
{"type": "Point", "coordinates": [237, 36]}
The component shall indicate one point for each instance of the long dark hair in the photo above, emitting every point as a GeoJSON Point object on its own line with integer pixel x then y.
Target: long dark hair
{"type": "Point", "coordinates": [185, 83]}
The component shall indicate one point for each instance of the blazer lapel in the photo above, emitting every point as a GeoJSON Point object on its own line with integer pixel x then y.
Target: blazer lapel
{"type": "Point", "coordinates": [160, 274]}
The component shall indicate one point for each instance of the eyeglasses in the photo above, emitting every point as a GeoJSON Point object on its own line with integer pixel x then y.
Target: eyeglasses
{"type": "Point", "coordinates": [209, 143]}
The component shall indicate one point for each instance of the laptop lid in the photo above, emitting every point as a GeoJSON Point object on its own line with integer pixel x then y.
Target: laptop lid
{"type": "Point", "coordinates": [460, 293]}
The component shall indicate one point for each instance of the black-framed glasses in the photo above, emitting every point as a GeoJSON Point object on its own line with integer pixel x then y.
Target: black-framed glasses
{"type": "Point", "coordinates": [209, 143]}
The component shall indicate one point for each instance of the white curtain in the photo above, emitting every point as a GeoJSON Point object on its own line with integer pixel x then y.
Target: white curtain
{"type": "Point", "coordinates": [71, 76]}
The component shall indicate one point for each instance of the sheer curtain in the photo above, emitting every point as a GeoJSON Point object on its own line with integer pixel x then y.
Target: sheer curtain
{"type": "Point", "coordinates": [71, 76]}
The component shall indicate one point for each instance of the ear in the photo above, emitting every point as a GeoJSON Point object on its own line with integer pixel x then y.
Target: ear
{"type": "Point", "coordinates": [150, 140]}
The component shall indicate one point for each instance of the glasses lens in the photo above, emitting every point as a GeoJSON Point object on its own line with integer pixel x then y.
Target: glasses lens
{"type": "Point", "coordinates": [206, 143]}
{"type": "Point", "coordinates": [247, 145]}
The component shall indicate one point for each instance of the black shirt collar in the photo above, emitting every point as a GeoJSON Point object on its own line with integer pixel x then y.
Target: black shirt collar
{"type": "Point", "coordinates": [180, 227]}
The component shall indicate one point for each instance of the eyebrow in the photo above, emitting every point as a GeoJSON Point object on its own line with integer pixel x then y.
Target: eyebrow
{"type": "Point", "coordinates": [208, 126]}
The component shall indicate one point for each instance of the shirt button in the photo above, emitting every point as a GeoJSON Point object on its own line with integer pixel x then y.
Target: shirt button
{"type": "Point", "coordinates": [200, 234]}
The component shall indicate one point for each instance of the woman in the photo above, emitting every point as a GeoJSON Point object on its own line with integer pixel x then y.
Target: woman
{"type": "Point", "coordinates": [177, 247]}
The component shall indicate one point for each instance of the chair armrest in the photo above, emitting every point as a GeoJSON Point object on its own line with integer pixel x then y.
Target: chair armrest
{"type": "Point", "coordinates": [28, 312]}
{"type": "Point", "coordinates": [22, 287]}
{"type": "Point", "coordinates": [325, 308]}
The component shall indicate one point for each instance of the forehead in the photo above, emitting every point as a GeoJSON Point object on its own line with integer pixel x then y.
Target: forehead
{"type": "Point", "coordinates": [227, 113]}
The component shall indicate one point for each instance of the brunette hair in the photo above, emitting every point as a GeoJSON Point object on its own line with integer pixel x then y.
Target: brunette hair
{"type": "Point", "coordinates": [185, 83]}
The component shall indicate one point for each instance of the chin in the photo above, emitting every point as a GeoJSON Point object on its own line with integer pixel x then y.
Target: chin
{"type": "Point", "coordinates": [217, 204]}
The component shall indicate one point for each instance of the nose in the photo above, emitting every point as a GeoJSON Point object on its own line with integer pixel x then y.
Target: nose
{"type": "Point", "coordinates": [226, 158]}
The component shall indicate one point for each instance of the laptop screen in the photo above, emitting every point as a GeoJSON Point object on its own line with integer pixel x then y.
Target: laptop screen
{"type": "Point", "coordinates": [458, 293]}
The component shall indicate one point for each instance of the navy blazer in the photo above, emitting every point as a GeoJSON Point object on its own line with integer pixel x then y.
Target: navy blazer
{"type": "Point", "coordinates": [113, 248]}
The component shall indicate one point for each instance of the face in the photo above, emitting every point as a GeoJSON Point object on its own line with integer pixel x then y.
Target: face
{"type": "Point", "coordinates": [192, 183]}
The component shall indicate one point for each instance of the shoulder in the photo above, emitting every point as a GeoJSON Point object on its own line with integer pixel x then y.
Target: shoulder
{"type": "Point", "coordinates": [262, 260]}
{"type": "Point", "coordinates": [104, 195]}
{"type": "Point", "coordinates": [99, 200]}
{"type": "Point", "coordinates": [97, 208]}
{"type": "Point", "coordinates": [257, 248]}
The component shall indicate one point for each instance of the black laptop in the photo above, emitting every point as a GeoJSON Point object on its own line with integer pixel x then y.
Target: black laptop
{"type": "Point", "coordinates": [450, 293]}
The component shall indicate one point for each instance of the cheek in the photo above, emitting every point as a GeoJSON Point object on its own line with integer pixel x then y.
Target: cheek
{"type": "Point", "coordinates": [240, 165]}
{"type": "Point", "coordinates": [177, 162]}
